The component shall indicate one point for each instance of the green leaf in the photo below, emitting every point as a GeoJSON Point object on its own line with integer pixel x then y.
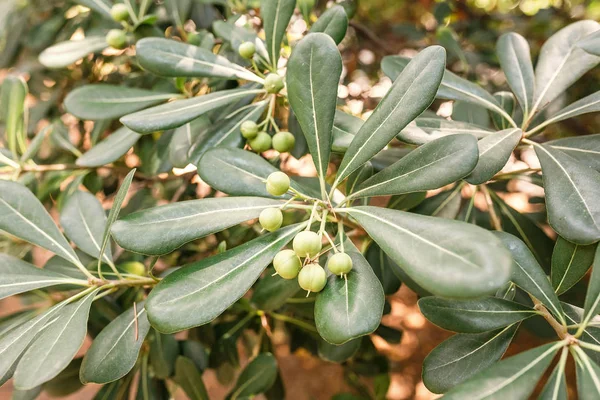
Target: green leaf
{"type": "Point", "coordinates": [556, 387]}
{"type": "Point", "coordinates": [101, 6]}
{"type": "Point", "coordinates": [66, 53]}
{"type": "Point", "coordinates": [431, 166]}
{"type": "Point", "coordinates": [276, 15]}
{"type": "Point", "coordinates": [345, 126]}
{"type": "Point", "coordinates": [513, 378]}
{"type": "Point", "coordinates": [171, 58]}
{"type": "Point", "coordinates": [425, 129]}
{"type": "Point", "coordinates": [567, 181]}
{"type": "Point", "coordinates": [180, 112]}
{"type": "Point", "coordinates": [588, 104]}
{"type": "Point", "coordinates": [529, 276]}
{"type": "Point", "coordinates": [592, 297]}
{"type": "Point", "coordinates": [185, 136]}
{"type": "Point", "coordinates": [562, 62]}
{"type": "Point", "coordinates": [104, 101]}
{"type": "Point", "coordinates": [591, 43]}
{"type": "Point", "coordinates": [225, 133]}
{"type": "Point", "coordinates": [463, 355]}
{"type": "Point", "coordinates": [475, 263]}
{"type": "Point", "coordinates": [473, 316]}
{"type": "Point", "coordinates": [22, 215]}
{"type": "Point", "coordinates": [515, 60]}
{"type": "Point", "coordinates": [494, 152]}
{"type": "Point", "coordinates": [338, 354]}
{"type": "Point", "coordinates": [84, 220]}
{"type": "Point", "coordinates": [164, 350]}
{"type": "Point", "coordinates": [256, 378]}
{"type": "Point", "coordinates": [35, 144]}
{"type": "Point", "coordinates": [508, 103]}
{"type": "Point", "coordinates": [190, 379]}
{"type": "Point", "coordinates": [115, 350]}
{"type": "Point", "coordinates": [350, 308]}
{"type": "Point", "coordinates": [271, 292]}
{"type": "Point", "coordinates": [333, 22]}
{"type": "Point", "coordinates": [200, 292]}
{"type": "Point", "coordinates": [12, 112]}
{"type": "Point", "coordinates": [55, 347]}
{"type": "Point", "coordinates": [383, 268]}
{"type": "Point", "coordinates": [65, 383]}
{"type": "Point", "coordinates": [585, 149]}
{"type": "Point", "coordinates": [412, 92]}
{"type": "Point", "coordinates": [358, 177]}
{"type": "Point", "coordinates": [160, 230]}
{"type": "Point", "coordinates": [588, 376]}
{"type": "Point", "coordinates": [591, 334]}
{"type": "Point", "coordinates": [18, 276]}
{"type": "Point", "coordinates": [570, 262]}
{"type": "Point", "coordinates": [110, 149]}
{"type": "Point", "coordinates": [312, 76]}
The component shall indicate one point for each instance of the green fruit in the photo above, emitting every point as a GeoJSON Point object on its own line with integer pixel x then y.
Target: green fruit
{"type": "Point", "coordinates": [194, 38]}
{"type": "Point", "coordinates": [278, 183]}
{"type": "Point", "coordinates": [271, 219]}
{"type": "Point", "coordinates": [339, 264]}
{"type": "Point", "coordinates": [273, 83]}
{"type": "Point", "coordinates": [249, 129]}
{"type": "Point", "coordinates": [283, 141]}
{"type": "Point", "coordinates": [119, 12]}
{"type": "Point", "coordinates": [312, 278]}
{"type": "Point", "coordinates": [247, 50]}
{"type": "Point", "coordinates": [307, 244]}
{"type": "Point", "coordinates": [287, 264]}
{"type": "Point", "coordinates": [116, 38]}
{"type": "Point", "coordinates": [261, 143]}
{"type": "Point", "coordinates": [133, 267]}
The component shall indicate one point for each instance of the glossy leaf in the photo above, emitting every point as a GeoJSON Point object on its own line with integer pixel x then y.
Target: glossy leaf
{"type": "Point", "coordinates": [115, 350]}
{"type": "Point", "coordinates": [333, 22]}
{"type": "Point", "coordinates": [160, 230]}
{"type": "Point", "coordinates": [350, 308]}
{"type": "Point", "coordinates": [431, 166]}
{"type": "Point", "coordinates": [276, 15]}
{"type": "Point", "coordinates": [567, 181]}
{"type": "Point", "coordinates": [84, 220]}
{"type": "Point", "coordinates": [592, 297]}
{"type": "Point", "coordinates": [588, 104]}
{"type": "Point", "coordinates": [345, 126]}
{"type": "Point", "coordinates": [556, 387]}
{"type": "Point", "coordinates": [585, 149]}
{"type": "Point", "coordinates": [22, 215]}
{"type": "Point", "coordinates": [55, 347]}
{"type": "Point", "coordinates": [190, 379]}
{"type": "Point", "coordinates": [588, 376]}
{"type": "Point", "coordinates": [104, 101]}
{"type": "Point", "coordinates": [591, 43]}
{"type": "Point", "coordinates": [425, 129]}
{"type": "Point", "coordinates": [561, 62]}
{"type": "Point", "coordinates": [383, 268]}
{"type": "Point", "coordinates": [171, 58]}
{"type": "Point", "coordinates": [110, 149]}
{"type": "Point", "coordinates": [515, 60]}
{"type": "Point", "coordinates": [507, 102]}
{"type": "Point", "coordinates": [18, 276]}
{"type": "Point", "coordinates": [412, 92]}
{"type": "Point", "coordinates": [184, 138]}
{"type": "Point", "coordinates": [66, 53]}
{"type": "Point", "coordinates": [513, 378]}
{"type": "Point", "coordinates": [475, 263]}
{"type": "Point", "coordinates": [463, 355]}
{"type": "Point", "coordinates": [494, 152]}
{"type": "Point", "coordinates": [473, 316]}
{"type": "Point", "coordinates": [225, 133]}
{"type": "Point", "coordinates": [358, 177]}
{"type": "Point", "coordinates": [271, 291]}
{"type": "Point", "coordinates": [179, 112]}
{"type": "Point", "coordinates": [529, 276]}
{"type": "Point", "coordinates": [570, 262]}
{"type": "Point", "coordinates": [312, 76]}
{"type": "Point", "coordinates": [200, 292]}
{"type": "Point", "coordinates": [338, 354]}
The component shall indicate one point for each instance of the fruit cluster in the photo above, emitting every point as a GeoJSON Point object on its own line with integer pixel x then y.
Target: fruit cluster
{"type": "Point", "coordinates": [261, 141]}
{"type": "Point", "coordinates": [306, 245]}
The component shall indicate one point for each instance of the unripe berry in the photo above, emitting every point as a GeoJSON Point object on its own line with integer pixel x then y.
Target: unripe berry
{"type": "Point", "coordinates": [249, 129]}
{"type": "Point", "coordinates": [273, 83]}
{"type": "Point", "coordinates": [119, 12]}
{"type": "Point", "coordinates": [339, 264]}
{"type": "Point", "coordinates": [261, 143]}
{"type": "Point", "coordinates": [283, 141]}
{"type": "Point", "coordinates": [287, 264]}
{"type": "Point", "coordinates": [247, 50]}
{"type": "Point", "coordinates": [307, 244]}
{"type": "Point", "coordinates": [194, 38]}
{"type": "Point", "coordinates": [278, 183]}
{"type": "Point", "coordinates": [116, 38]}
{"type": "Point", "coordinates": [271, 219]}
{"type": "Point", "coordinates": [312, 278]}
{"type": "Point", "coordinates": [133, 267]}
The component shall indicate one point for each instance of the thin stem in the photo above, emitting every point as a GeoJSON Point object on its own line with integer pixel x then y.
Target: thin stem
{"type": "Point", "coordinates": [559, 328]}
{"type": "Point", "coordinates": [333, 246]}
{"type": "Point", "coordinates": [312, 215]}
{"type": "Point", "coordinates": [508, 175]}
{"type": "Point", "coordinates": [494, 218]}
{"type": "Point", "coordinates": [590, 346]}
{"type": "Point", "coordinates": [294, 321]}
{"type": "Point", "coordinates": [239, 325]}
{"type": "Point", "coordinates": [341, 234]}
